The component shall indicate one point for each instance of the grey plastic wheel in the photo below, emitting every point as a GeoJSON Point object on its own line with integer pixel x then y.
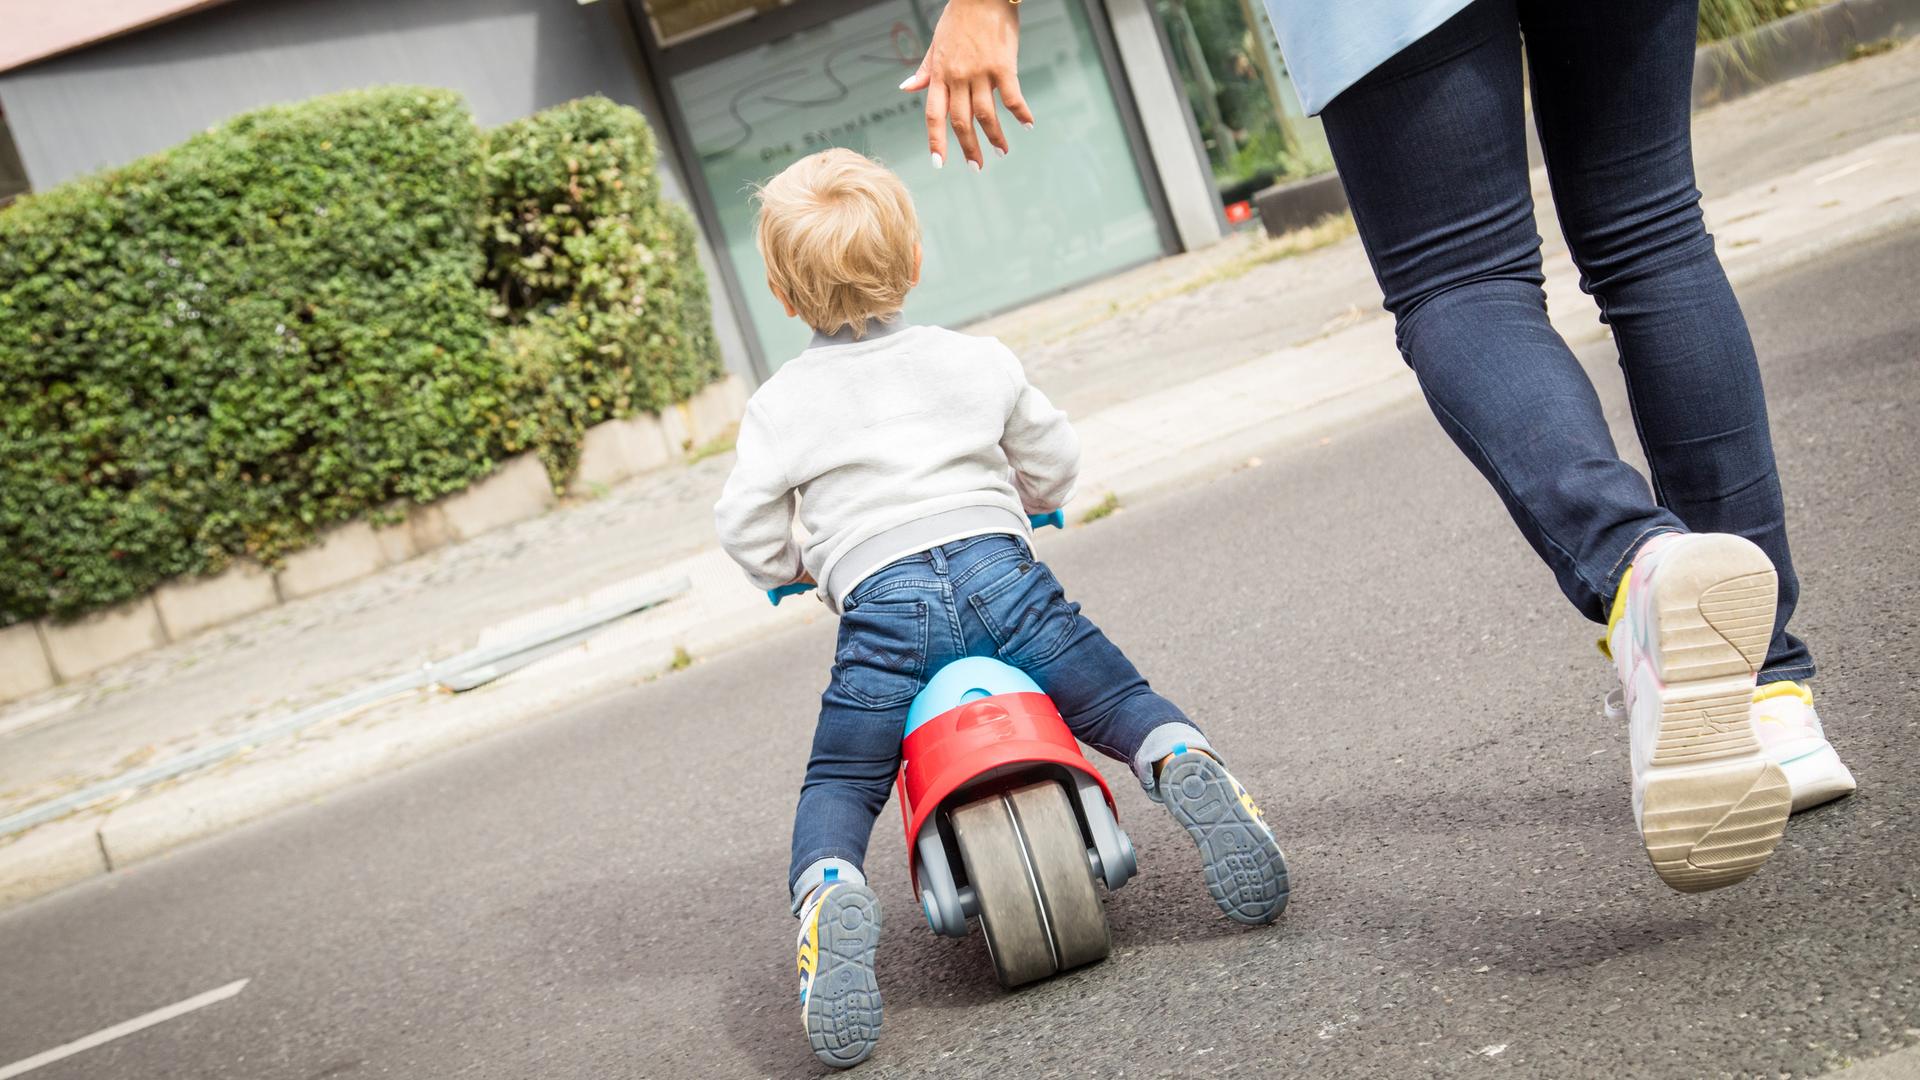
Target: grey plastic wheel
{"type": "Point", "coordinates": [1010, 915]}
{"type": "Point", "coordinates": [1027, 863]}
{"type": "Point", "coordinates": [1058, 853]}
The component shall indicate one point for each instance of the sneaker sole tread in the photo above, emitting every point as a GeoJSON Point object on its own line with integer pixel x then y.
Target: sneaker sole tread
{"type": "Point", "coordinates": [1714, 808]}
{"type": "Point", "coordinates": [843, 1005]}
{"type": "Point", "coordinates": [1246, 872]}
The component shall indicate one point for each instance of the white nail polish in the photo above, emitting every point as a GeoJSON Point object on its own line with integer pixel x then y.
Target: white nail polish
{"type": "Point", "coordinates": [905, 81]}
{"type": "Point", "coordinates": [938, 161]}
{"type": "Point", "coordinates": [1028, 125]}
{"type": "Point", "coordinates": [974, 165]}
{"type": "Point", "coordinates": [1003, 152]}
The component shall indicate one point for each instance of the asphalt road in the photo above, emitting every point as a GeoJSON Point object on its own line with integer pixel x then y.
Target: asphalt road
{"type": "Point", "coordinates": [1356, 624]}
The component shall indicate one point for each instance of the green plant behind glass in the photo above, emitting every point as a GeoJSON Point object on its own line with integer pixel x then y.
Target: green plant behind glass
{"type": "Point", "coordinates": [1241, 103]}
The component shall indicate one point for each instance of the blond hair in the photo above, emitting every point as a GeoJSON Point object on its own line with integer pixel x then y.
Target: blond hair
{"type": "Point", "coordinates": [840, 239]}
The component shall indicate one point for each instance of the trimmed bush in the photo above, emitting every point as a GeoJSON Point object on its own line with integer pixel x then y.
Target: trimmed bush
{"type": "Point", "coordinates": [597, 279]}
{"type": "Point", "coordinates": [223, 347]}
{"type": "Point", "coordinates": [311, 313]}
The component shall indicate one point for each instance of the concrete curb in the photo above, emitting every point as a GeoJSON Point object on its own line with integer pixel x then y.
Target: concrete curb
{"type": "Point", "coordinates": [1899, 1065]}
{"type": "Point", "coordinates": [1797, 45]}
{"type": "Point", "coordinates": [49, 859]}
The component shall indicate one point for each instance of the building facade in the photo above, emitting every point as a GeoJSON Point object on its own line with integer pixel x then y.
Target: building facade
{"type": "Point", "coordinates": [1155, 118]}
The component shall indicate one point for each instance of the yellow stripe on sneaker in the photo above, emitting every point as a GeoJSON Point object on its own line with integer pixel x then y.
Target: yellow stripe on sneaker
{"type": "Point", "coordinates": [1618, 612]}
{"type": "Point", "coordinates": [810, 948]}
{"type": "Point", "coordinates": [1782, 688]}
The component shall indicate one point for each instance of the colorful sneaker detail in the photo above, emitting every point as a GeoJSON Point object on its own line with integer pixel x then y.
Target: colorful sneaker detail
{"type": "Point", "coordinates": [1246, 871]}
{"type": "Point", "coordinates": [839, 996]}
{"type": "Point", "coordinates": [1790, 733]}
{"type": "Point", "coordinates": [1689, 628]}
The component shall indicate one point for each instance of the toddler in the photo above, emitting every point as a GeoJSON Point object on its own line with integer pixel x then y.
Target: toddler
{"type": "Point", "coordinates": [913, 455]}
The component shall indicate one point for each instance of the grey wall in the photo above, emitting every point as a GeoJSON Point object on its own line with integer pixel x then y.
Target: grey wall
{"type": "Point", "coordinates": [116, 101]}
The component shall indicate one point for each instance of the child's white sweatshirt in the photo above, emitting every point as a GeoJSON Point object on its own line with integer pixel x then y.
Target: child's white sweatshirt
{"type": "Point", "coordinates": [862, 437]}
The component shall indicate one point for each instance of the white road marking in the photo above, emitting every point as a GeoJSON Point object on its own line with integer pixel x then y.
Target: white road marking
{"type": "Point", "coordinates": [138, 1023]}
{"type": "Point", "coordinates": [1847, 171]}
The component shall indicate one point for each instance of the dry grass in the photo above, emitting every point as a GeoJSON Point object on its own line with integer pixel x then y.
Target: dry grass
{"type": "Point", "coordinates": [1104, 508]}
{"type": "Point", "coordinates": [720, 445]}
{"type": "Point", "coordinates": [1327, 231]}
{"type": "Point", "coordinates": [1720, 19]}
{"type": "Point", "coordinates": [1873, 48]}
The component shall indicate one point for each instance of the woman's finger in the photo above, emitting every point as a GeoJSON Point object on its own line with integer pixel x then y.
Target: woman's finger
{"type": "Point", "coordinates": [937, 122]}
{"type": "Point", "coordinates": [987, 116]}
{"type": "Point", "coordinates": [918, 80]}
{"type": "Point", "coordinates": [1010, 96]}
{"type": "Point", "coordinates": [960, 116]}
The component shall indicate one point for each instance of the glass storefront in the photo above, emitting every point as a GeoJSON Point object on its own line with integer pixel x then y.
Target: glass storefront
{"type": "Point", "coordinates": [1066, 207]}
{"type": "Point", "coordinates": [1244, 106]}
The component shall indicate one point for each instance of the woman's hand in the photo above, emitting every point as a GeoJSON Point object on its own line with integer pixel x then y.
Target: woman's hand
{"type": "Point", "coordinates": [975, 51]}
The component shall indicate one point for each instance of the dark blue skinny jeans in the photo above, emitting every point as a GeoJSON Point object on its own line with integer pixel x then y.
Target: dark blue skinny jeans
{"type": "Point", "coordinates": [986, 596]}
{"type": "Point", "coordinates": [1431, 147]}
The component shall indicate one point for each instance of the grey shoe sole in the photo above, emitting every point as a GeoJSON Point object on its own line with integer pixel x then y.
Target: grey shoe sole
{"type": "Point", "coordinates": [843, 1007]}
{"type": "Point", "coordinates": [1246, 873]}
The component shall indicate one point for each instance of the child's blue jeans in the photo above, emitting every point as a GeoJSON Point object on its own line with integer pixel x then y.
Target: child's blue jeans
{"type": "Point", "coordinates": [985, 596]}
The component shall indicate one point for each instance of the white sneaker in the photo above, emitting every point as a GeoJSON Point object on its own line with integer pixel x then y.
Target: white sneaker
{"type": "Point", "coordinates": [1689, 629]}
{"type": "Point", "coordinates": [1790, 733]}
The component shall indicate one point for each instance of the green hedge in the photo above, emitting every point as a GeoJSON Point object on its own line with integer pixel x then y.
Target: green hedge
{"type": "Point", "coordinates": [596, 277]}
{"type": "Point", "coordinates": [309, 313]}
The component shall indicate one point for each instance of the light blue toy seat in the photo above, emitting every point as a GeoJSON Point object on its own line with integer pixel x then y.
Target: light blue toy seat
{"type": "Point", "coordinates": [964, 680]}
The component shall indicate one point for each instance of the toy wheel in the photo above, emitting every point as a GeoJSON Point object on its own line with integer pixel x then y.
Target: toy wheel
{"type": "Point", "coordinates": [1028, 867]}
{"type": "Point", "coordinates": [1009, 907]}
{"type": "Point", "coordinates": [1059, 855]}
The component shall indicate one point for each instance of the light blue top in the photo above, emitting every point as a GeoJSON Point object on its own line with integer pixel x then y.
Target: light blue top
{"type": "Point", "coordinates": [966, 679]}
{"type": "Point", "coordinates": [1331, 44]}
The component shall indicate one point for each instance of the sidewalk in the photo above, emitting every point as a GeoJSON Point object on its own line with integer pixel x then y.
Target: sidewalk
{"type": "Point", "coordinates": [1170, 371]}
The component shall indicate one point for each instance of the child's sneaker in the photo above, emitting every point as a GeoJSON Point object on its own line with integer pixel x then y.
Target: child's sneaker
{"type": "Point", "coordinates": [1246, 872]}
{"type": "Point", "coordinates": [1793, 739]}
{"type": "Point", "coordinates": [1689, 628]}
{"type": "Point", "coordinates": [839, 997]}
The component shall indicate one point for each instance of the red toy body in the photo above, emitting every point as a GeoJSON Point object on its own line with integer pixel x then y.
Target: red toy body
{"type": "Point", "coordinates": [980, 738]}
{"type": "Point", "coordinates": [1007, 822]}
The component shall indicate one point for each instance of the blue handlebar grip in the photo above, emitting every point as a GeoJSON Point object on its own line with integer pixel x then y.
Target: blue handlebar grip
{"type": "Point", "coordinates": [774, 596]}
{"type": "Point", "coordinates": [1055, 518]}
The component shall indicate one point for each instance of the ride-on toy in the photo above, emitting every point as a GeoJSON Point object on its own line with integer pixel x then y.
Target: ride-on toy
{"type": "Point", "coordinates": [1006, 820]}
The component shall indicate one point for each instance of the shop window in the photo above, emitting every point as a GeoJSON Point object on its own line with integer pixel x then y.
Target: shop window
{"type": "Point", "coordinates": [1248, 116]}
{"type": "Point", "coordinates": [1067, 207]}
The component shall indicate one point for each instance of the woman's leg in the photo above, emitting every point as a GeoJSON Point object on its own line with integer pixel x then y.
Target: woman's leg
{"type": "Point", "coordinates": [1432, 150]}
{"type": "Point", "coordinates": [1612, 96]}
